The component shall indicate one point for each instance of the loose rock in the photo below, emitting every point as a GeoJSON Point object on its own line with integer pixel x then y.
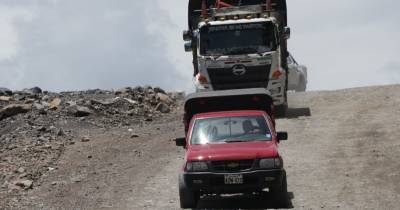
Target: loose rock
{"type": "Point", "coordinates": [124, 91]}
{"type": "Point", "coordinates": [79, 111]}
{"type": "Point", "coordinates": [31, 137]}
{"type": "Point", "coordinates": [5, 92]}
{"type": "Point", "coordinates": [159, 90]}
{"type": "Point", "coordinates": [25, 184]}
{"type": "Point", "coordinates": [134, 135]}
{"type": "Point", "coordinates": [5, 98]}
{"type": "Point", "coordinates": [164, 98]}
{"type": "Point", "coordinates": [35, 90]}
{"type": "Point", "coordinates": [21, 170]}
{"type": "Point", "coordinates": [163, 108]}
{"type": "Point", "coordinates": [55, 103]}
{"type": "Point", "coordinates": [14, 109]}
{"type": "Point", "coordinates": [85, 139]}
{"type": "Point", "coordinates": [60, 132]}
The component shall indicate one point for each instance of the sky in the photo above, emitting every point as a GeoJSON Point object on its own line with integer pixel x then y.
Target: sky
{"type": "Point", "coordinates": [86, 44]}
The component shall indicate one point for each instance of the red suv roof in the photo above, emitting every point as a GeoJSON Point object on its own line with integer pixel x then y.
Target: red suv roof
{"type": "Point", "coordinates": [230, 114]}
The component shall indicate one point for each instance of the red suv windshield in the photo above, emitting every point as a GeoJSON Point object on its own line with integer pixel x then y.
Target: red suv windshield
{"type": "Point", "coordinates": [230, 129]}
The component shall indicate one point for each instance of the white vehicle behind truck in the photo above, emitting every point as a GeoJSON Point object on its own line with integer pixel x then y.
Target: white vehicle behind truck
{"type": "Point", "coordinates": [241, 47]}
{"type": "Point", "coordinates": [298, 76]}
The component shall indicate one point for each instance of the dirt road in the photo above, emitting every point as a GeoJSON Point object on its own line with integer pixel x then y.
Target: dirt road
{"type": "Point", "coordinates": [343, 152]}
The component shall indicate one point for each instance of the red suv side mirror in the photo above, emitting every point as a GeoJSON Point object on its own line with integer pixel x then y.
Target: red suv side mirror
{"type": "Point", "coordinates": [282, 136]}
{"type": "Point", "coordinates": [180, 142]}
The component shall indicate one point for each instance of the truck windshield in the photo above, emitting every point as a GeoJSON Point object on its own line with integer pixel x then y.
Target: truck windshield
{"type": "Point", "coordinates": [236, 39]}
{"type": "Point", "coordinates": [230, 129]}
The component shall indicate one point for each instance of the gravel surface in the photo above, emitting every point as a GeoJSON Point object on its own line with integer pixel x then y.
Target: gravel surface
{"type": "Point", "coordinates": [343, 152]}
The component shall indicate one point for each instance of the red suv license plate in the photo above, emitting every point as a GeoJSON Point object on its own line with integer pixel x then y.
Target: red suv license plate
{"type": "Point", "coordinates": [233, 179]}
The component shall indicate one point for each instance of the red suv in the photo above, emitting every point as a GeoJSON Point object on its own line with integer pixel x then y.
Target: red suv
{"type": "Point", "coordinates": [231, 150]}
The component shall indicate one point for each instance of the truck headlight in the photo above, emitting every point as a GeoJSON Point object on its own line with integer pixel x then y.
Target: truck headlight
{"type": "Point", "coordinates": [201, 79]}
{"type": "Point", "coordinates": [271, 163]}
{"type": "Point", "coordinates": [276, 74]}
{"type": "Point", "coordinates": [275, 91]}
{"type": "Point", "coordinates": [201, 82]}
{"type": "Point", "coordinates": [196, 166]}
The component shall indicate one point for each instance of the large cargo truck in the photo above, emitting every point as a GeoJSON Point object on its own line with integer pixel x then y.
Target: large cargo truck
{"type": "Point", "coordinates": [238, 45]}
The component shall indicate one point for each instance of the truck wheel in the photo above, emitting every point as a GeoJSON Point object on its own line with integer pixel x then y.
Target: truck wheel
{"type": "Point", "coordinates": [280, 110]}
{"type": "Point", "coordinates": [280, 193]}
{"type": "Point", "coordinates": [188, 199]}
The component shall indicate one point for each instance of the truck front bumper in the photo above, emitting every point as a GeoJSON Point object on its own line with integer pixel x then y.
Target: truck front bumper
{"type": "Point", "coordinates": [253, 181]}
{"type": "Point", "coordinates": [277, 90]}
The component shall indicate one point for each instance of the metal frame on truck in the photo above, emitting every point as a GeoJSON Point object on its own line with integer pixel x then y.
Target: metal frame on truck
{"type": "Point", "coordinates": [227, 100]}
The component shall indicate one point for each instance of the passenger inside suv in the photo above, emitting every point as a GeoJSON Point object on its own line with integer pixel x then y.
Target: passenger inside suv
{"type": "Point", "coordinates": [249, 128]}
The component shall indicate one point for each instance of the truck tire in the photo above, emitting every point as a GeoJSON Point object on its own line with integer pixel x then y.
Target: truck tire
{"type": "Point", "coordinates": [280, 111]}
{"type": "Point", "coordinates": [280, 193]}
{"type": "Point", "coordinates": [188, 199]}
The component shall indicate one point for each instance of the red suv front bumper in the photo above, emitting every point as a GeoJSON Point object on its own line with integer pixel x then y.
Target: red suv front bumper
{"type": "Point", "coordinates": [253, 181]}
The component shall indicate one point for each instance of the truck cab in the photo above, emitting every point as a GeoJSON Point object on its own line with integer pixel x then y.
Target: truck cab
{"type": "Point", "coordinates": [240, 47]}
{"type": "Point", "coordinates": [231, 148]}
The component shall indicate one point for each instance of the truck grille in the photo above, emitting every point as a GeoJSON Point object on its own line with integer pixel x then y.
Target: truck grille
{"type": "Point", "coordinates": [232, 166]}
{"type": "Point", "coordinates": [224, 79]}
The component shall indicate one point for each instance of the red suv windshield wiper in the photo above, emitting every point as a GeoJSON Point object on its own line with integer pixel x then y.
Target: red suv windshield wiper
{"type": "Point", "coordinates": [234, 141]}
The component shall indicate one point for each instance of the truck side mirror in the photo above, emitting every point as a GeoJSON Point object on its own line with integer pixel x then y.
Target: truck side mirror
{"type": "Point", "coordinates": [286, 32]}
{"type": "Point", "coordinates": [187, 35]}
{"type": "Point", "coordinates": [188, 46]}
{"type": "Point", "coordinates": [282, 136]}
{"type": "Point", "coordinates": [180, 142]}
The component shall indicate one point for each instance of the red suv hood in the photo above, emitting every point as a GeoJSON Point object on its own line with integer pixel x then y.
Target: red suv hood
{"type": "Point", "coordinates": [232, 151]}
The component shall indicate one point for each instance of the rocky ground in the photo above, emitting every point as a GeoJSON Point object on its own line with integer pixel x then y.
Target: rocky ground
{"type": "Point", "coordinates": [37, 126]}
{"type": "Point", "coordinates": [343, 152]}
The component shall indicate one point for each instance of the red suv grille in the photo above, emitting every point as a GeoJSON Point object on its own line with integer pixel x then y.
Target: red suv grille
{"type": "Point", "coordinates": [232, 165]}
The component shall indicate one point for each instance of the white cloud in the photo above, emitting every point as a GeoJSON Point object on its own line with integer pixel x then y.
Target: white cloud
{"type": "Point", "coordinates": [74, 44]}
{"type": "Point", "coordinates": [92, 44]}
{"type": "Point", "coordinates": [345, 43]}
{"type": "Point", "coordinates": [8, 34]}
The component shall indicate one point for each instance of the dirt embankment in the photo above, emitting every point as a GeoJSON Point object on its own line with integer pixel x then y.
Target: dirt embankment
{"type": "Point", "coordinates": [343, 152]}
{"type": "Point", "coordinates": [38, 127]}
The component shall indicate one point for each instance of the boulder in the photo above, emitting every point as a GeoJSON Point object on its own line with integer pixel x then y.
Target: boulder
{"type": "Point", "coordinates": [55, 103]}
{"type": "Point", "coordinates": [19, 97]}
{"type": "Point", "coordinates": [79, 111]}
{"type": "Point", "coordinates": [5, 92]}
{"type": "Point", "coordinates": [85, 139]}
{"type": "Point", "coordinates": [39, 106]}
{"type": "Point", "coordinates": [36, 90]}
{"type": "Point", "coordinates": [124, 91]}
{"type": "Point", "coordinates": [177, 95]}
{"type": "Point", "coordinates": [32, 91]}
{"type": "Point", "coordinates": [164, 98]}
{"type": "Point", "coordinates": [25, 184]}
{"type": "Point", "coordinates": [130, 101]}
{"type": "Point", "coordinates": [45, 98]}
{"type": "Point", "coordinates": [163, 108]}
{"type": "Point", "coordinates": [138, 89]}
{"type": "Point", "coordinates": [159, 90]}
{"type": "Point", "coordinates": [102, 102]}
{"type": "Point", "coordinates": [14, 109]}
{"type": "Point", "coordinates": [5, 98]}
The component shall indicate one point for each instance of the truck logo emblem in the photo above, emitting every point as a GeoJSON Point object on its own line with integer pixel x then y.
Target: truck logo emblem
{"type": "Point", "coordinates": [233, 165]}
{"type": "Point", "coordinates": [239, 70]}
